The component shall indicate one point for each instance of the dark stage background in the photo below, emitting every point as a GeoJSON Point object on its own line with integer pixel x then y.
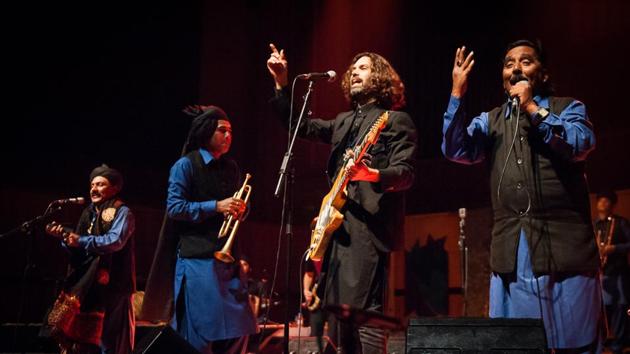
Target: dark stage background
{"type": "Point", "coordinates": [101, 83]}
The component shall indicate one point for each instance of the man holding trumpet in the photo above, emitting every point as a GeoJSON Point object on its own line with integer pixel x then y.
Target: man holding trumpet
{"type": "Point", "coordinates": [612, 233]}
{"type": "Point", "coordinates": [209, 313]}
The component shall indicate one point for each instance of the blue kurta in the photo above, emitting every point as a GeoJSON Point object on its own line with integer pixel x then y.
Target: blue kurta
{"type": "Point", "coordinates": [571, 305]}
{"type": "Point", "coordinates": [216, 304]}
{"type": "Point", "coordinates": [215, 301]}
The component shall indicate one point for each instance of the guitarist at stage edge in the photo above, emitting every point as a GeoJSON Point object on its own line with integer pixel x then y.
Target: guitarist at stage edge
{"type": "Point", "coordinates": [356, 259]}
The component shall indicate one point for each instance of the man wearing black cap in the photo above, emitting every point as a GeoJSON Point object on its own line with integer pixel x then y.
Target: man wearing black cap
{"type": "Point", "coordinates": [102, 274]}
{"type": "Point", "coordinates": [210, 312]}
{"type": "Point", "coordinates": [613, 236]}
{"type": "Point", "coordinates": [543, 254]}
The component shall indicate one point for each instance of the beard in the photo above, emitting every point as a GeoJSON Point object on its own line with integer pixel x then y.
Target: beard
{"type": "Point", "coordinates": [361, 94]}
{"type": "Point", "coordinates": [356, 92]}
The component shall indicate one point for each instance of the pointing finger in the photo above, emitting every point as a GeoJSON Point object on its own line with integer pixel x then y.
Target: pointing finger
{"type": "Point", "coordinates": [273, 48]}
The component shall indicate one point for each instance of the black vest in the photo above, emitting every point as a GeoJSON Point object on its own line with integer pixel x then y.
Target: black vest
{"type": "Point", "coordinates": [99, 278]}
{"type": "Point", "coordinates": [541, 192]}
{"type": "Point", "coordinates": [216, 181]}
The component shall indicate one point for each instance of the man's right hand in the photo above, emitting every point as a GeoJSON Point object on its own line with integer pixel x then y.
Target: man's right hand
{"type": "Point", "coordinates": [59, 231]}
{"type": "Point", "coordinates": [277, 65]}
{"type": "Point", "coordinates": [55, 229]}
{"type": "Point", "coordinates": [233, 206]}
{"type": "Point", "coordinates": [308, 296]}
{"type": "Point", "coordinates": [461, 70]}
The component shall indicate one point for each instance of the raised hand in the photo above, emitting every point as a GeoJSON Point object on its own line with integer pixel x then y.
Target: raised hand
{"type": "Point", "coordinates": [462, 66]}
{"type": "Point", "coordinates": [277, 65]}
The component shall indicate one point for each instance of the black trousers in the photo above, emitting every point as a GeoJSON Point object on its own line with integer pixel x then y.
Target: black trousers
{"type": "Point", "coordinates": [344, 271]}
{"type": "Point", "coordinates": [358, 339]}
{"type": "Point", "coordinates": [617, 323]}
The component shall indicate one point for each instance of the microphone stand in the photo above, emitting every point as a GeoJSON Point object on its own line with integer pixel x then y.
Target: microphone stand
{"type": "Point", "coordinates": [286, 179]}
{"type": "Point", "coordinates": [463, 260]}
{"type": "Point", "coordinates": [27, 229]}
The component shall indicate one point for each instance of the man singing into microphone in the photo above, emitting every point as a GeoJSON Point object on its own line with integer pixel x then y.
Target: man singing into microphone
{"type": "Point", "coordinates": [355, 264]}
{"type": "Point", "coordinates": [543, 254]}
{"type": "Point", "coordinates": [102, 271]}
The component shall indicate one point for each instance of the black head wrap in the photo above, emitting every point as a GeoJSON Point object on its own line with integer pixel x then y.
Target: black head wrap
{"type": "Point", "coordinates": [609, 194]}
{"type": "Point", "coordinates": [203, 125]}
{"type": "Point", "coordinates": [113, 176]}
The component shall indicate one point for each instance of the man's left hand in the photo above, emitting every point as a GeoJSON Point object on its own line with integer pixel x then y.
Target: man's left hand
{"type": "Point", "coordinates": [361, 172]}
{"type": "Point", "coordinates": [608, 249]}
{"type": "Point", "coordinates": [71, 239]}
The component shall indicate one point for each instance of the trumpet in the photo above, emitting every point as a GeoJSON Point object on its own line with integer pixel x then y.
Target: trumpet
{"type": "Point", "coordinates": [603, 243]}
{"type": "Point", "coordinates": [231, 223]}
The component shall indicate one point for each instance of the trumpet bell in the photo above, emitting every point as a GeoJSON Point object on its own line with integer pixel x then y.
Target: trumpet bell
{"type": "Point", "coordinates": [231, 223]}
{"type": "Point", "coordinates": [224, 257]}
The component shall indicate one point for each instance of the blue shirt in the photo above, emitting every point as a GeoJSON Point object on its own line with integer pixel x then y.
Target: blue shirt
{"type": "Point", "coordinates": [178, 204]}
{"type": "Point", "coordinates": [569, 132]}
{"type": "Point", "coordinates": [113, 240]}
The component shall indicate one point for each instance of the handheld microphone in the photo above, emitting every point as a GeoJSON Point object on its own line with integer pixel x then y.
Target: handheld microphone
{"type": "Point", "coordinates": [331, 75]}
{"type": "Point", "coordinates": [515, 80]}
{"type": "Point", "coordinates": [77, 200]}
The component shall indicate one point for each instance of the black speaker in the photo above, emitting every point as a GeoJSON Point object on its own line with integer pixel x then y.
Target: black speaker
{"type": "Point", "coordinates": [163, 340]}
{"type": "Point", "coordinates": [25, 338]}
{"type": "Point", "coordinates": [297, 345]}
{"type": "Point", "coordinates": [475, 335]}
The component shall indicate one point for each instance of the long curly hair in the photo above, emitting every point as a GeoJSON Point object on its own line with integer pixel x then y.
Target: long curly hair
{"type": "Point", "coordinates": [385, 86]}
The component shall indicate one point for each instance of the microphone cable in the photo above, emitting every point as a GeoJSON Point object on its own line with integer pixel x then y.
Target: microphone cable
{"type": "Point", "coordinates": [282, 219]}
{"type": "Point", "coordinates": [507, 159]}
{"type": "Point", "coordinates": [529, 200]}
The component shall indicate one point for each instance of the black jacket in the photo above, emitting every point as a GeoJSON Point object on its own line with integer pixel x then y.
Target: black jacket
{"type": "Point", "coordinates": [380, 206]}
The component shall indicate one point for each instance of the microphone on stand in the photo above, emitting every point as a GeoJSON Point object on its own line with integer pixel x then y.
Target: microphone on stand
{"type": "Point", "coordinates": [463, 258]}
{"type": "Point", "coordinates": [331, 75]}
{"type": "Point", "coordinates": [462, 215]}
{"type": "Point", "coordinates": [77, 200]}
{"type": "Point", "coordinates": [462, 223]}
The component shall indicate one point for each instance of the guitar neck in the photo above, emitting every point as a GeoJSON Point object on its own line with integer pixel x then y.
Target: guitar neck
{"type": "Point", "coordinates": [341, 180]}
